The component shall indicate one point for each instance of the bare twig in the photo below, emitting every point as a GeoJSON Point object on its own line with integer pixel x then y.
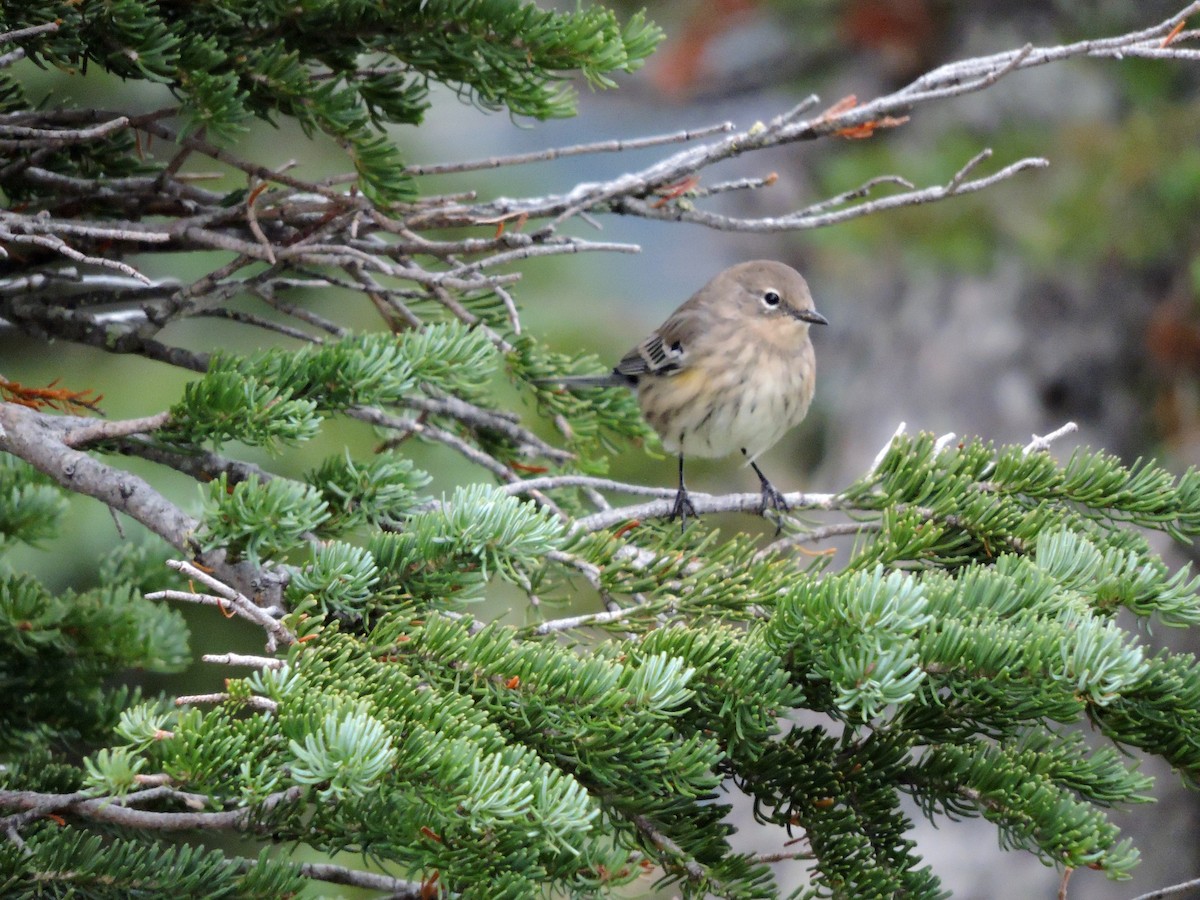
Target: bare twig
{"type": "Point", "coordinates": [227, 598]}
{"type": "Point", "coordinates": [616, 146]}
{"type": "Point", "coordinates": [32, 31]}
{"type": "Point", "coordinates": [266, 704]}
{"type": "Point", "coordinates": [107, 431]}
{"type": "Point", "coordinates": [704, 504]}
{"type": "Point", "coordinates": [483, 419]}
{"type": "Point", "coordinates": [570, 623]}
{"type": "Point", "coordinates": [1174, 890]}
{"type": "Point", "coordinates": [1038, 444]}
{"type": "Point", "coordinates": [815, 535]}
{"type": "Point", "coordinates": [824, 217]}
{"type": "Point", "coordinates": [16, 137]}
{"type": "Point", "coordinates": [555, 482]}
{"type": "Point", "coordinates": [397, 888]}
{"type": "Point", "coordinates": [116, 811]}
{"type": "Point", "coordinates": [241, 659]}
{"type": "Point", "coordinates": [59, 246]}
{"type": "Point", "coordinates": [694, 870]}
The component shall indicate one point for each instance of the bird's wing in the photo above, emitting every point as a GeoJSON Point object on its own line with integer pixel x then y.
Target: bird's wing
{"type": "Point", "coordinates": [651, 357]}
{"type": "Point", "coordinates": [664, 351]}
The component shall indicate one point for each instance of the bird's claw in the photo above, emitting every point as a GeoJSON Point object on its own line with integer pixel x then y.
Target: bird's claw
{"type": "Point", "coordinates": [773, 499]}
{"type": "Point", "coordinates": [683, 507]}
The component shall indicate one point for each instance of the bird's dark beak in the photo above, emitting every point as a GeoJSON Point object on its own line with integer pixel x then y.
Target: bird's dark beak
{"type": "Point", "coordinates": [811, 315]}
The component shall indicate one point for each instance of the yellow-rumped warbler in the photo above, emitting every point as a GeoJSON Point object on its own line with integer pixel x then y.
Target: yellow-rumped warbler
{"type": "Point", "coordinates": [731, 369]}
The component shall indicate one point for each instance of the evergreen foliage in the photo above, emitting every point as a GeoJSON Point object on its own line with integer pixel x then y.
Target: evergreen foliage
{"type": "Point", "coordinates": [344, 68]}
{"type": "Point", "coordinates": [951, 657]}
{"type": "Point", "coordinates": [59, 652]}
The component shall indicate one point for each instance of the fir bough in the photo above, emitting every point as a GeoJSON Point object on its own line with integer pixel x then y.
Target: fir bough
{"type": "Point", "coordinates": [345, 68]}
{"type": "Point", "coordinates": [427, 705]}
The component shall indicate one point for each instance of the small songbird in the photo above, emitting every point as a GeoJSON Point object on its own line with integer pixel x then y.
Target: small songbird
{"type": "Point", "coordinates": [730, 369]}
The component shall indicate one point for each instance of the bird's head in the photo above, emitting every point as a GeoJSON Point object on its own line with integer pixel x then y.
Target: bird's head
{"type": "Point", "coordinates": [767, 290]}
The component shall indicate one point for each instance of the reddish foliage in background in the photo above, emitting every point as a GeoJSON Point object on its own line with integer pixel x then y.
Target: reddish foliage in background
{"type": "Point", "coordinates": [680, 65]}
{"type": "Point", "coordinates": [899, 34]}
{"type": "Point", "coordinates": [50, 397]}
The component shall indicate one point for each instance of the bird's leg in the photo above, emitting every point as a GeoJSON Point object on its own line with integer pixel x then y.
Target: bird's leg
{"type": "Point", "coordinates": [683, 504]}
{"type": "Point", "coordinates": [770, 495]}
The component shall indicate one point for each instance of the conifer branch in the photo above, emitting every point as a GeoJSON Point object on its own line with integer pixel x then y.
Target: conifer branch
{"type": "Point", "coordinates": [958, 641]}
{"type": "Point", "coordinates": [118, 811]}
{"type": "Point", "coordinates": [42, 441]}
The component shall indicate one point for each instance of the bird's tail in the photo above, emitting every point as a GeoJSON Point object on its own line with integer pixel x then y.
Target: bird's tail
{"type": "Point", "coordinates": [608, 379]}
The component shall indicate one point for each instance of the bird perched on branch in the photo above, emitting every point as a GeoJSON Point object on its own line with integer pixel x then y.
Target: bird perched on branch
{"type": "Point", "coordinates": [731, 369]}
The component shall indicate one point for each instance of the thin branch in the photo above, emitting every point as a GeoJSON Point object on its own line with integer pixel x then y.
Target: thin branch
{"type": "Point", "coordinates": [267, 293]}
{"type": "Point", "coordinates": [222, 604]}
{"type": "Point", "coordinates": [264, 173]}
{"type": "Point", "coordinates": [594, 574]}
{"type": "Point", "coordinates": [59, 246]}
{"type": "Point", "coordinates": [32, 31]}
{"type": "Point", "coordinates": [784, 856]}
{"type": "Point", "coordinates": [615, 146]}
{"type": "Point", "coordinates": [227, 598]}
{"type": "Point", "coordinates": [804, 219]}
{"type": "Point", "coordinates": [203, 465]}
{"type": "Point", "coordinates": [114, 811]}
{"type": "Point", "coordinates": [407, 427]}
{"type": "Point", "coordinates": [703, 504]}
{"type": "Point", "coordinates": [242, 659]}
{"type": "Point", "coordinates": [245, 318]}
{"type": "Point", "coordinates": [815, 535]}
{"type": "Point", "coordinates": [570, 623]}
{"type": "Point", "coordinates": [1039, 444]}
{"type": "Point", "coordinates": [110, 430]}
{"type": "Point", "coordinates": [695, 871]}
{"type": "Point", "coordinates": [17, 137]}
{"type": "Point", "coordinates": [1174, 890]}
{"type": "Point", "coordinates": [857, 193]}
{"type": "Point", "coordinates": [555, 247]}
{"type": "Point", "coordinates": [477, 418]}
{"type": "Point", "coordinates": [266, 704]}
{"type": "Point", "coordinates": [556, 482]}
{"type": "Point", "coordinates": [397, 888]}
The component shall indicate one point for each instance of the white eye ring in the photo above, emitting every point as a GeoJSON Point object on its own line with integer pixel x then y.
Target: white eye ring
{"type": "Point", "coordinates": [771, 299]}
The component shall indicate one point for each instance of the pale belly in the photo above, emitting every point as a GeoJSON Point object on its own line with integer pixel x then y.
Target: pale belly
{"type": "Point", "coordinates": [733, 417]}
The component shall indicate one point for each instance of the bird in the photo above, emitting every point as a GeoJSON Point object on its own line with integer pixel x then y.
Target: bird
{"type": "Point", "coordinates": [732, 369]}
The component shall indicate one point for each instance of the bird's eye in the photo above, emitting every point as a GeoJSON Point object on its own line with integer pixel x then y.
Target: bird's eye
{"type": "Point", "coordinates": [771, 298]}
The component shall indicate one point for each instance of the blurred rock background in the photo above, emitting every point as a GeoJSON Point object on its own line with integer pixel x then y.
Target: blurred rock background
{"type": "Point", "coordinates": [1068, 293]}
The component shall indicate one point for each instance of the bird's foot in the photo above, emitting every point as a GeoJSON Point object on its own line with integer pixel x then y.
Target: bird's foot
{"type": "Point", "coordinates": [773, 499]}
{"type": "Point", "coordinates": [683, 507]}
